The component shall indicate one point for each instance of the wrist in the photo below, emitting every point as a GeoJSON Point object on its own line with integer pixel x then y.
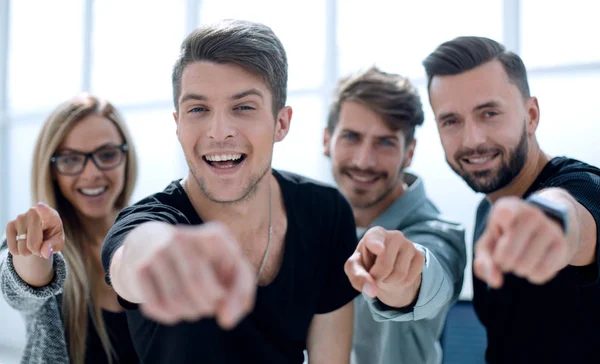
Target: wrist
{"type": "Point", "coordinates": [555, 211]}
{"type": "Point", "coordinates": [405, 297]}
{"type": "Point", "coordinates": [35, 271]}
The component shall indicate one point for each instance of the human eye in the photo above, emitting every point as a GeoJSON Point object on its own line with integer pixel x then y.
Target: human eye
{"type": "Point", "coordinates": [197, 110]}
{"type": "Point", "coordinates": [244, 108]}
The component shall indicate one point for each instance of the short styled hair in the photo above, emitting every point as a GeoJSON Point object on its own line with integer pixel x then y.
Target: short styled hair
{"type": "Point", "coordinates": [390, 95]}
{"type": "Point", "coordinates": [465, 53]}
{"type": "Point", "coordinates": [252, 46]}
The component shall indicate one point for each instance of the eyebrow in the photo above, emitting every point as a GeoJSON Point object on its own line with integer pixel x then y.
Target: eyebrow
{"type": "Point", "coordinates": [239, 95]}
{"type": "Point", "coordinates": [105, 145]}
{"type": "Point", "coordinates": [252, 91]}
{"type": "Point", "coordinates": [349, 131]}
{"type": "Point", "coordinates": [485, 105]}
{"type": "Point", "coordinates": [386, 137]}
{"type": "Point", "coordinates": [195, 97]}
{"type": "Point", "coordinates": [380, 137]}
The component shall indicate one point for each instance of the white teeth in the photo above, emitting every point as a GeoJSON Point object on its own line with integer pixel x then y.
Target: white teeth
{"type": "Point", "coordinates": [223, 157]}
{"type": "Point", "coordinates": [363, 178]}
{"type": "Point", "coordinates": [479, 160]}
{"type": "Point", "coordinates": [93, 191]}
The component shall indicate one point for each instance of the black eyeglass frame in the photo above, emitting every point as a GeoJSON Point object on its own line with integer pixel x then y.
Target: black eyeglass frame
{"type": "Point", "coordinates": [123, 148]}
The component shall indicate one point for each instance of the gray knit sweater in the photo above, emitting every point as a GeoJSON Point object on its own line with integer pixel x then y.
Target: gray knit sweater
{"type": "Point", "coordinates": [40, 308]}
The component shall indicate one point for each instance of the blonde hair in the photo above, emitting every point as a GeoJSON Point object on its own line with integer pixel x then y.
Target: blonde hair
{"type": "Point", "coordinates": [79, 290]}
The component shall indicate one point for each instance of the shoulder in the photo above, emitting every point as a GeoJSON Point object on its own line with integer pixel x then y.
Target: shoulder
{"type": "Point", "coordinates": [167, 205]}
{"type": "Point", "coordinates": [437, 226]}
{"type": "Point", "coordinates": [483, 209]}
{"type": "Point", "coordinates": [423, 213]}
{"type": "Point", "coordinates": [302, 184]}
{"type": "Point", "coordinates": [319, 211]}
{"type": "Point", "coordinates": [566, 165]}
{"type": "Point", "coordinates": [579, 179]}
{"type": "Point", "coordinates": [308, 194]}
{"type": "Point", "coordinates": [565, 170]}
{"type": "Point", "coordinates": [427, 223]}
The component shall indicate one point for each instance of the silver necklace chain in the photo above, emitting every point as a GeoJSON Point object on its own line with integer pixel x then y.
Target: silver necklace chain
{"type": "Point", "coordinates": [266, 255]}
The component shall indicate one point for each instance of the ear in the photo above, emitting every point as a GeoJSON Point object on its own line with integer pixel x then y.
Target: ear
{"type": "Point", "coordinates": [176, 118]}
{"type": "Point", "coordinates": [326, 142]}
{"type": "Point", "coordinates": [282, 125]}
{"type": "Point", "coordinates": [533, 115]}
{"type": "Point", "coordinates": [410, 152]}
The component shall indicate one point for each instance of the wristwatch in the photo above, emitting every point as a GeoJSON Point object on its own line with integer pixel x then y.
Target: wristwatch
{"type": "Point", "coordinates": [556, 212]}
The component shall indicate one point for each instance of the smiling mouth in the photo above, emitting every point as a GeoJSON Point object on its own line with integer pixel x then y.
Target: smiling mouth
{"type": "Point", "coordinates": [224, 160]}
{"type": "Point", "coordinates": [92, 192]}
{"type": "Point", "coordinates": [362, 177]}
{"type": "Point", "coordinates": [478, 160]}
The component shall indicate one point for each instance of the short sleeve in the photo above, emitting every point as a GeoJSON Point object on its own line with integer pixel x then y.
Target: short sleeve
{"type": "Point", "coordinates": [337, 290]}
{"type": "Point", "coordinates": [585, 188]}
{"type": "Point", "coordinates": [130, 218]}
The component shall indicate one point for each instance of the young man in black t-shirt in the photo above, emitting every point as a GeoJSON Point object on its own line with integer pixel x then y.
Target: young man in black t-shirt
{"type": "Point", "coordinates": [186, 261]}
{"type": "Point", "coordinates": [536, 278]}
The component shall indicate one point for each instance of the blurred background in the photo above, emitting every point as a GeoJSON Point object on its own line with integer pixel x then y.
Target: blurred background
{"type": "Point", "coordinates": [123, 50]}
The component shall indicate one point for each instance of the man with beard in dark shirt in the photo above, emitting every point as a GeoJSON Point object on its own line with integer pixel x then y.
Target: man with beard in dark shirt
{"type": "Point", "coordinates": [536, 265]}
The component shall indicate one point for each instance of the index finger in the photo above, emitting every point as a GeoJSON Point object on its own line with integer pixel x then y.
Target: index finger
{"type": "Point", "coordinates": [231, 268]}
{"type": "Point", "coordinates": [374, 240]}
{"type": "Point", "coordinates": [240, 297]}
{"type": "Point", "coordinates": [49, 217]}
{"type": "Point", "coordinates": [11, 238]}
{"type": "Point", "coordinates": [34, 232]}
{"type": "Point", "coordinates": [483, 264]}
{"type": "Point", "coordinates": [358, 276]}
{"type": "Point", "coordinates": [504, 212]}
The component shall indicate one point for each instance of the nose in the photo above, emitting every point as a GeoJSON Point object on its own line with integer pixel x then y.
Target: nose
{"type": "Point", "coordinates": [473, 134]}
{"type": "Point", "coordinates": [90, 170]}
{"type": "Point", "coordinates": [364, 156]}
{"type": "Point", "coordinates": [221, 127]}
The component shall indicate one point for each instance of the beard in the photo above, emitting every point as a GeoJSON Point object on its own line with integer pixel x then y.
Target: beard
{"type": "Point", "coordinates": [360, 197]}
{"type": "Point", "coordinates": [491, 180]}
{"type": "Point", "coordinates": [247, 192]}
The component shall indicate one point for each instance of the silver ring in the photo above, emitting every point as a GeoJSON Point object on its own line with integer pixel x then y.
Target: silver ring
{"type": "Point", "coordinates": [21, 237]}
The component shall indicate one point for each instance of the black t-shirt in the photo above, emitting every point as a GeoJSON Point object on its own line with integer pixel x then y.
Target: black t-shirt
{"type": "Point", "coordinates": [558, 322]}
{"type": "Point", "coordinates": [320, 238]}
{"type": "Point", "coordinates": [118, 333]}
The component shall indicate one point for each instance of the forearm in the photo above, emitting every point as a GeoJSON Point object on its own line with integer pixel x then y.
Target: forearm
{"type": "Point", "coordinates": [439, 284]}
{"type": "Point", "coordinates": [443, 246]}
{"type": "Point", "coordinates": [34, 270]}
{"type": "Point", "coordinates": [330, 336]}
{"type": "Point", "coordinates": [22, 296]}
{"type": "Point", "coordinates": [434, 293]}
{"type": "Point", "coordinates": [581, 232]}
{"type": "Point", "coordinates": [137, 246]}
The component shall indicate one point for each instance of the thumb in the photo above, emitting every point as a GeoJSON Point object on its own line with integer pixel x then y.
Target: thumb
{"type": "Point", "coordinates": [358, 275]}
{"type": "Point", "coordinates": [52, 245]}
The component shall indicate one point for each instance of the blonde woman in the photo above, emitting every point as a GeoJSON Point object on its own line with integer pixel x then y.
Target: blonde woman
{"type": "Point", "coordinates": [84, 172]}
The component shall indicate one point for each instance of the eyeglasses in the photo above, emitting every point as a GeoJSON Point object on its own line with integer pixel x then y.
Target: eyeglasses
{"type": "Point", "coordinates": [105, 158]}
